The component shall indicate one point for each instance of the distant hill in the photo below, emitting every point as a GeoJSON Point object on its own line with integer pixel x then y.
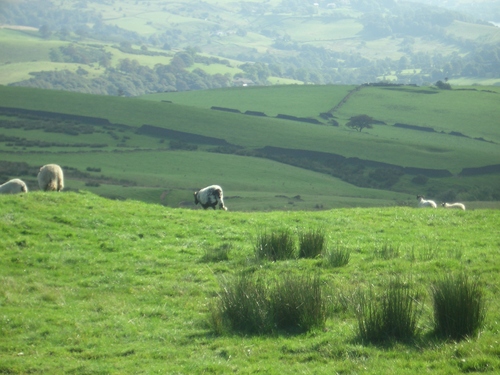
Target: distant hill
{"type": "Point", "coordinates": [161, 148]}
{"type": "Point", "coordinates": [133, 48]}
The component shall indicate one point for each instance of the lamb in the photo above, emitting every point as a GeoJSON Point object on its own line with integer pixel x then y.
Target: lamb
{"type": "Point", "coordinates": [51, 178]}
{"type": "Point", "coordinates": [14, 186]}
{"type": "Point", "coordinates": [425, 203]}
{"type": "Point", "coordinates": [211, 196]}
{"type": "Point", "coordinates": [454, 205]}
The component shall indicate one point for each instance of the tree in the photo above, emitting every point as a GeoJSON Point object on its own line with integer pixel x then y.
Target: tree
{"type": "Point", "coordinates": [443, 86]}
{"type": "Point", "coordinates": [360, 122]}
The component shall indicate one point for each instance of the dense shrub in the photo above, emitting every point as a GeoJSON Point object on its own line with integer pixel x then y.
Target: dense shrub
{"type": "Point", "coordinates": [459, 306]}
{"type": "Point", "coordinates": [311, 243]}
{"type": "Point", "coordinates": [275, 246]}
{"type": "Point", "coordinates": [391, 316]}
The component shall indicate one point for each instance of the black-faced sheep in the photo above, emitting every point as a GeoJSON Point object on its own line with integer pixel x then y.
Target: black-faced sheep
{"type": "Point", "coordinates": [454, 205]}
{"type": "Point", "coordinates": [425, 203]}
{"type": "Point", "coordinates": [51, 178]}
{"type": "Point", "coordinates": [13, 186]}
{"type": "Point", "coordinates": [211, 196]}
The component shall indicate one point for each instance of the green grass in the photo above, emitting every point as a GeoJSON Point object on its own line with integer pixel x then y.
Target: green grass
{"type": "Point", "coordinates": [295, 100]}
{"type": "Point", "coordinates": [266, 185]}
{"type": "Point", "coordinates": [94, 285]}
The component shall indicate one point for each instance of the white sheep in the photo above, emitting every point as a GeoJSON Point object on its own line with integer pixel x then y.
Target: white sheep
{"type": "Point", "coordinates": [454, 205]}
{"type": "Point", "coordinates": [51, 178]}
{"type": "Point", "coordinates": [211, 196]}
{"type": "Point", "coordinates": [13, 187]}
{"type": "Point", "coordinates": [425, 203]}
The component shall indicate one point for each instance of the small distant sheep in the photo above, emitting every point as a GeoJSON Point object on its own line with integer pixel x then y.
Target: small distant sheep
{"type": "Point", "coordinates": [51, 178]}
{"type": "Point", "coordinates": [425, 203]}
{"type": "Point", "coordinates": [211, 196]}
{"type": "Point", "coordinates": [14, 186]}
{"type": "Point", "coordinates": [454, 205]}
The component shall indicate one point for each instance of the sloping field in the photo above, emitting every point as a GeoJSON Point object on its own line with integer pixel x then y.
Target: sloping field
{"type": "Point", "coordinates": [411, 148]}
{"type": "Point", "coordinates": [295, 100]}
{"type": "Point", "coordinates": [91, 285]}
{"type": "Point", "coordinates": [432, 140]}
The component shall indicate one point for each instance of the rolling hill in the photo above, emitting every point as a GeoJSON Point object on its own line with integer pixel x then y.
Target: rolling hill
{"type": "Point", "coordinates": [162, 149]}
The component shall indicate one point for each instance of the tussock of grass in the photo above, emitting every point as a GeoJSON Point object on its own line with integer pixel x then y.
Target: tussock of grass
{"type": "Point", "coordinates": [459, 306]}
{"type": "Point", "coordinates": [275, 246]}
{"type": "Point", "coordinates": [391, 316]}
{"type": "Point", "coordinates": [242, 306]}
{"type": "Point", "coordinates": [337, 257]}
{"type": "Point", "coordinates": [312, 243]}
{"type": "Point", "coordinates": [252, 305]}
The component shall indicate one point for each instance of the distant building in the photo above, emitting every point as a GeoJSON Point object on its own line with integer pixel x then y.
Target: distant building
{"type": "Point", "coordinates": [243, 82]}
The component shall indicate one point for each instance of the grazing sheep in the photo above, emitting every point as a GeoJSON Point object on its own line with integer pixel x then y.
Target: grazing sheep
{"type": "Point", "coordinates": [454, 205]}
{"type": "Point", "coordinates": [425, 203]}
{"type": "Point", "coordinates": [211, 196]}
{"type": "Point", "coordinates": [13, 187]}
{"type": "Point", "coordinates": [51, 178]}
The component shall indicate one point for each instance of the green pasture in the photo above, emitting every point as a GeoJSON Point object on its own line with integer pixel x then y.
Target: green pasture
{"type": "Point", "coordinates": [215, 68]}
{"type": "Point", "coordinates": [22, 47]}
{"type": "Point", "coordinates": [470, 110]}
{"type": "Point", "coordinates": [309, 29]}
{"type": "Point", "coordinates": [253, 183]}
{"type": "Point", "coordinates": [409, 148]}
{"type": "Point", "coordinates": [485, 33]}
{"type": "Point", "coordinates": [295, 100]}
{"type": "Point", "coordinates": [91, 285]}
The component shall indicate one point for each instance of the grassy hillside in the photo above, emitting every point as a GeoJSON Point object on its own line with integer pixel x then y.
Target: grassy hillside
{"type": "Point", "coordinates": [141, 166]}
{"type": "Point", "coordinates": [90, 285]}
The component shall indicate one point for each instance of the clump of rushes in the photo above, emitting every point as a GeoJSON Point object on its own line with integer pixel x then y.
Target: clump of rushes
{"type": "Point", "coordinates": [253, 305]}
{"type": "Point", "coordinates": [311, 243]}
{"type": "Point", "coordinates": [297, 303]}
{"type": "Point", "coordinates": [391, 316]}
{"type": "Point", "coordinates": [275, 246]}
{"type": "Point", "coordinates": [337, 257]}
{"type": "Point", "coordinates": [459, 306]}
{"type": "Point", "coordinates": [242, 305]}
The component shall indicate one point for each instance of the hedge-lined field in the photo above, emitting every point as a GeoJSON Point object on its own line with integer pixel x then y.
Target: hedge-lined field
{"type": "Point", "coordinates": [204, 146]}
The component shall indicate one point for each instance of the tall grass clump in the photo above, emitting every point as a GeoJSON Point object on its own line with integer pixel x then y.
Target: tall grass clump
{"type": "Point", "coordinates": [459, 306]}
{"type": "Point", "coordinates": [298, 304]}
{"type": "Point", "coordinates": [391, 316]}
{"type": "Point", "coordinates": [252, 305]}
{"type": "Point", "coordinates": [311, 243]}
{"type": "Point", "coordinates": [242, 306]}
{"type": "Point", "coordinates": [386, 252]}
{"type": "Point", "coordinates": [217, 254]}
{"type": "Point", "coordinates": [275, 246]}
{"type": "Point", "coordinates": [337, 257]}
